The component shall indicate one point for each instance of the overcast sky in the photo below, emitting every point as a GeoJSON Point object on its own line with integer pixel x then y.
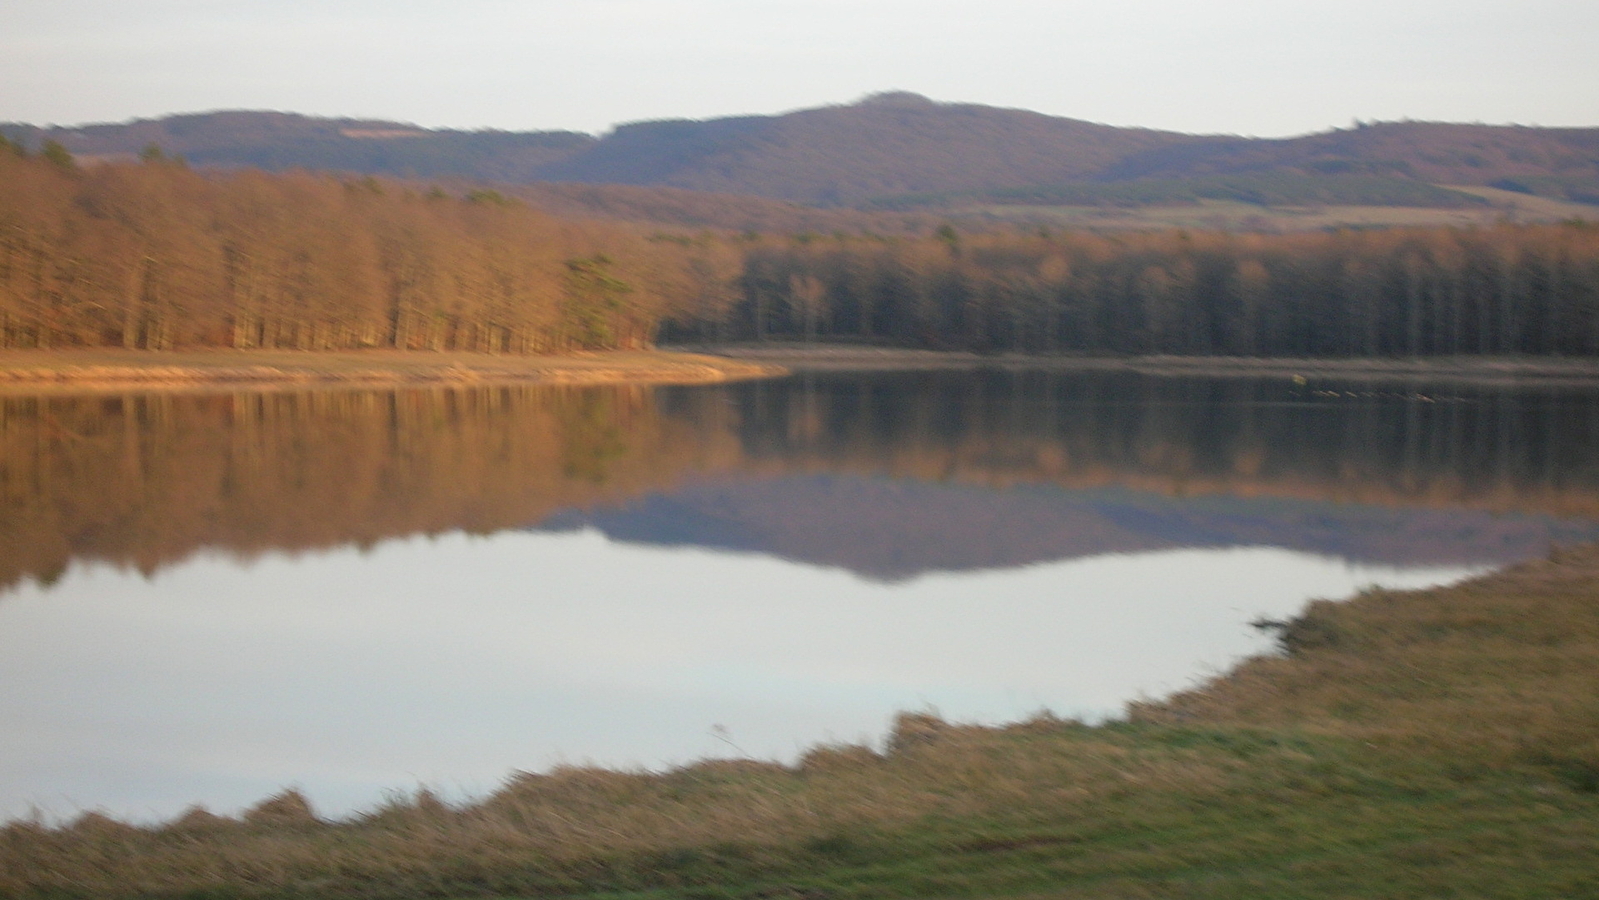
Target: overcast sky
{"type": "Point", "coordinates": [1263, 67]}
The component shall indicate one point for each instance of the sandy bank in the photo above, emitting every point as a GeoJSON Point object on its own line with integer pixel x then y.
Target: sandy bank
{"type": "Point", "coordinates": [77, 370]}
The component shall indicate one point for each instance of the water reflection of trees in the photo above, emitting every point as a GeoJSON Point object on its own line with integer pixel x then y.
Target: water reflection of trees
{"type": "Point", "coordinates": [1500, 448]}
{"type": "Point", "coordinates": [145, 479]}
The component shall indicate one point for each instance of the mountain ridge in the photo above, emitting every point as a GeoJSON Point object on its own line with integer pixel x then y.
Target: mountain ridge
{"type": "Point", "coordinates": [891, 145]}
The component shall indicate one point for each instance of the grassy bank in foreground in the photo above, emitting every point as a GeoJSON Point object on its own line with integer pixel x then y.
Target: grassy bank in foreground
{"type": "Point", "coordinates": [1403, 744]}
{"type": "Point", "coordinates": [30, 370]}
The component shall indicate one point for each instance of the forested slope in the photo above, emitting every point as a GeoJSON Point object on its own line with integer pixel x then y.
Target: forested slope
{"type": "Point", "coordinates": [1562, 162]}
{"type": "Point", "coordinates": [842, 156]}
{"type": "Point", "coordinates": [279, 140]}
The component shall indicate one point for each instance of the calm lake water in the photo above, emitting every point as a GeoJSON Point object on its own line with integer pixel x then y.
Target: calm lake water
{"type": "Point", "coordinates": [207, 597]}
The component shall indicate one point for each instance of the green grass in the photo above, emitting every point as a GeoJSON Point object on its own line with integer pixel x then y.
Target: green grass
{"type": "Point", "coordinates": [1440, 743]}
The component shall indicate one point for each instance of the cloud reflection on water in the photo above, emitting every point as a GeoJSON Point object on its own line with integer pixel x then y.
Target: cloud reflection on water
{"type": "Point", "coordinates": [451, 661]}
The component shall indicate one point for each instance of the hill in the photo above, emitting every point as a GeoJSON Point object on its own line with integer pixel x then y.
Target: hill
{"type": "Point", "coordinates": [900, 151]}
{"type": "Point", "coordinates": [1562, 162]}
{"type": "Point", "coordinates": [277, 141]}
{"type": "Point", "coordinates": [844, 155]}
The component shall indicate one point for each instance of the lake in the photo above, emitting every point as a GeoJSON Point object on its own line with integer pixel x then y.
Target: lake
{"type": "Point", "coordinates": [206, 597]}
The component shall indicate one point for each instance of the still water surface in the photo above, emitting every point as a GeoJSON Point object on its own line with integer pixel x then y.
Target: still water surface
{"type": "Point", "coordinates": [209, 597]}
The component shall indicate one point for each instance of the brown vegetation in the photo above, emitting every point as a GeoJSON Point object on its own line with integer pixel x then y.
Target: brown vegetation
{"type": "Point", "coordinates": [679, 209]}
{"type": "Point", "coordinates": [548, 833]}
{"type": "Point", "coordinates": [1510, 659]}
{"type": "Point", "coordinates": [155, 256]}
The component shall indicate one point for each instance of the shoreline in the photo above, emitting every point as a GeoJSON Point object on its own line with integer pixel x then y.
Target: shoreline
{"type": "Point", "coordinates": [115, 370]}
{"type": "Point", "coordinates": [1381, 717]}
{"type": "Point", "coordinates": [32, 371]}
{"type": "Point", "coordinates": [845, 357]}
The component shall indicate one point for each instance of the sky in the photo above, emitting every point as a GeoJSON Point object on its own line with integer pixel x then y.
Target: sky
{"type": "Point", "coordinates": [1259, 67]}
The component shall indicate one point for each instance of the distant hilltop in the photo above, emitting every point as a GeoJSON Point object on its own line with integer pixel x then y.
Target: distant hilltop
{"type": "Point", "coordinates": [900, 151]}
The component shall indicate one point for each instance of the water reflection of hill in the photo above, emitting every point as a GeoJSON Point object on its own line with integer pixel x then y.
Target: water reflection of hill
{"type": "Point", "coordinates": [887, 475]}
{"type": "Point", "coordinates": [891, 529]}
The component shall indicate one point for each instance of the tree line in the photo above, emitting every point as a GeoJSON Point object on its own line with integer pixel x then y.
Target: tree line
{"type": "Point", "coordinates": [156, 256]}
{"type": "Point", "coordinates": [1504, 290]}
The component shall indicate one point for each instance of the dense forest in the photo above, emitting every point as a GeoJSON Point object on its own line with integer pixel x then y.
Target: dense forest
{"type": "Point", "coordinates": [1399, 292]}
{"type": "Point", "coordinates": [154, 255]}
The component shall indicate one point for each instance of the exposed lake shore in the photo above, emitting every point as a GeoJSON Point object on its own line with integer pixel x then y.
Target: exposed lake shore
{"type": "Point", "coordinates": [855, 357]}
{"type": "Point", "coordinates": [1400, 744]}
{"type": "Point", "coordinates": [114, 370]}
{"type": "Point", "coordinates": [32, 370]}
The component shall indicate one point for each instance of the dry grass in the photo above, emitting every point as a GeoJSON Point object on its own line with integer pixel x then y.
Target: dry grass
{"type": "Point", "coordinates": [541, 830]}
{"type": "Point", "coordinates": [1403, 744]}
{"type": "Point", "coordinates": [1499, 671]}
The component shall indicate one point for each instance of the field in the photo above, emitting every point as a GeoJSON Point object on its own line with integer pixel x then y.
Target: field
{"type": "Point", "coordinates": [1440, 743]}
{"type": "Point", "coordinates": [1226, 215]}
